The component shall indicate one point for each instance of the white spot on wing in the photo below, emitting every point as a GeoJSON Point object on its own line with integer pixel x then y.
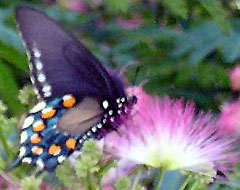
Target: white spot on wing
{"type": "Point", "coordinates": [28, 121]}
{"type": "Point", "coordinates": [39, 65]}
{"type": "Point", "coordinates": [94, 129]}
{"type": "Point", "coordinates": [61, 159]}
{"type": "Point", "coordinates": [47, 94]}
{"type": "Point", "coordinates": [41, 77]}
{"type": "Point", "coordinates": [39, 122]}
{"type": "Point", "coordinates": [27, 160]}
{"type": "Point", "coordinates": [22, 151]}
{"type": "Point", "coordinates": [67, 97]}
{"type": "Point", "coordinates": [35, 148]}
{"type": "Point", "coordinates": [110, 112]}
{"type": "Point", "coordinates": [38, 107]}
{"type": "Point", "coordinates": [105, 104]}
{"type": "Point", "coordinates": [23, 137]}
{"type": "Point", "coordinates": [46, 88]}
{"type": "Point", "coordinates": [47, 110]}
{"type": "Point", "coordinates": [36, 52]}
{"type": "Point", "coordinates": [40, 163]}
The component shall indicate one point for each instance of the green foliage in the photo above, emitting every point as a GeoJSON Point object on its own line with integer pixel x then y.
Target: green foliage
{"type": "Point", "coordinates": [9, 89]}
{"type": "Point", "coordinates": [122, 184]}
{"type": "Point", "coordinates": [118, 5]}
{"type": "Point", "coordinates": [177, 7]}
{"type": "Point", "coordinates": [217, 12]}
{"type": "Point", "coordinates": [27, 96]}
{"type": "Point", "coordinates": [7, 127]}
{"type": "Point", "coordinates": [86, 170]}
{"type": "Point", "coordinates": [30, 183]}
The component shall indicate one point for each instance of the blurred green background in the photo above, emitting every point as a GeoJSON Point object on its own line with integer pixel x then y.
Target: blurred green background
{"type": "Point", "coordinates": [183, 48]}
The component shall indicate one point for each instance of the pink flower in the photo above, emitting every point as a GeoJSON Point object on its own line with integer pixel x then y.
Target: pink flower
{"type": "Point", "coordinates": [108, 188]}
{"type": "Point", "coordinates": [167, 133]}
{"type": "Point", "coordinates": [229, 119]}
{"type": "Point", "coordinates": [235, 78]}
{"type": "Point", "coordinates": [75, 5]}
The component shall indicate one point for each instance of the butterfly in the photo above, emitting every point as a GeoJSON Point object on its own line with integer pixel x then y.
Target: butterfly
{"type": "Point", "coordinates": [79, 99]}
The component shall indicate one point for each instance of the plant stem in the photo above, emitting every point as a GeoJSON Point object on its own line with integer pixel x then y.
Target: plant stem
{"type": "Point", "coordinates": [136, 181]}
{"type": "Point", "coordinates": [194, 185]}
{"type": "Point", "coordinates": [91, 183]}
{"type": "Point", "coordinates": [185, 182]}
{"type": "Point", "coordinates": [5, 145]}
{"type": "Point", "coordinates": [159, 180]}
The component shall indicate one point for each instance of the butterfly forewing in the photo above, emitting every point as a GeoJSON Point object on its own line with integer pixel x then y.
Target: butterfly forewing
{"type": "Point", "coordinates": [59, 63]}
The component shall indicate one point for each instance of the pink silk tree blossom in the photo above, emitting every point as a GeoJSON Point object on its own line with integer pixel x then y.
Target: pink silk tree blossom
{"type": "Point", "coordinates": [235, 78]}
{"type": "Point", "coordinates": [168, 133]}
{"type": "Point", "coordinates": [229, 118]}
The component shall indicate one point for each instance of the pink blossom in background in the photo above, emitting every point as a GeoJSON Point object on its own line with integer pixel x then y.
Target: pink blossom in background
{"type": "Point", "coordinates": [75, 5]}
{"type": "Point", "coordinates": [235, 78]}
{"type": "Point", "coordinates": [124, 168]}
{"type": "Point", "coordinates": [4, 184]}
{"type": "Point", "coordinates": [167, 133]}
{"type": "Point", "coordinates": [45, 186]}
{"type": "Point", "coordinates": [229, 118]}
{"type": "Point", "coordinates": [108, 188]}
{"type": "Point", "coordinates": [133, 23]}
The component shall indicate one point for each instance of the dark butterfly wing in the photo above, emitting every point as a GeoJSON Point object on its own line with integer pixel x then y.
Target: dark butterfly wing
{"type": "Point", "coordinates": [59, 63]}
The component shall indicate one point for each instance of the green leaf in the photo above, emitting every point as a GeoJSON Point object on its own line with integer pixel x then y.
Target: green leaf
{"type": "Point", "coordinates": [30, 183]}
{"type": "Point", "coordinates": [199, 42]}
{"type": "Point", "coordinates": [13, 56]}
{"type": "Point", "coordinates": [217, 12]}
{"type": "Point", "coordinates": [122, 184]}
{"type": "Point", "coordinates": [177, 7]}
{"type": "Point", "coordinates": [168, 179]}
{"type": "Point", "coordinates": [10, 37]}
{"type": "Point", "coordinates": [117, 6]}
{"type": "Point", "coordinates": [9, 89]}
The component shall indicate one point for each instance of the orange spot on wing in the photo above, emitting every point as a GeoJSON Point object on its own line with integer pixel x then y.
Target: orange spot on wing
{"type": "Point", "coordinates": [69, 102]}
{"type": "Point", "coordinates": [54, 150]}
{"type": "Point", "coordinates": [71, 143]}
{"type": "Point", "coordinates": [37, 150]}
{"type": "Point", "coordinates": [39, 127]}
{"type": "Point", "coordinates": [35, 139]}
{"type": "Point", "coordinates": [49, 114]}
